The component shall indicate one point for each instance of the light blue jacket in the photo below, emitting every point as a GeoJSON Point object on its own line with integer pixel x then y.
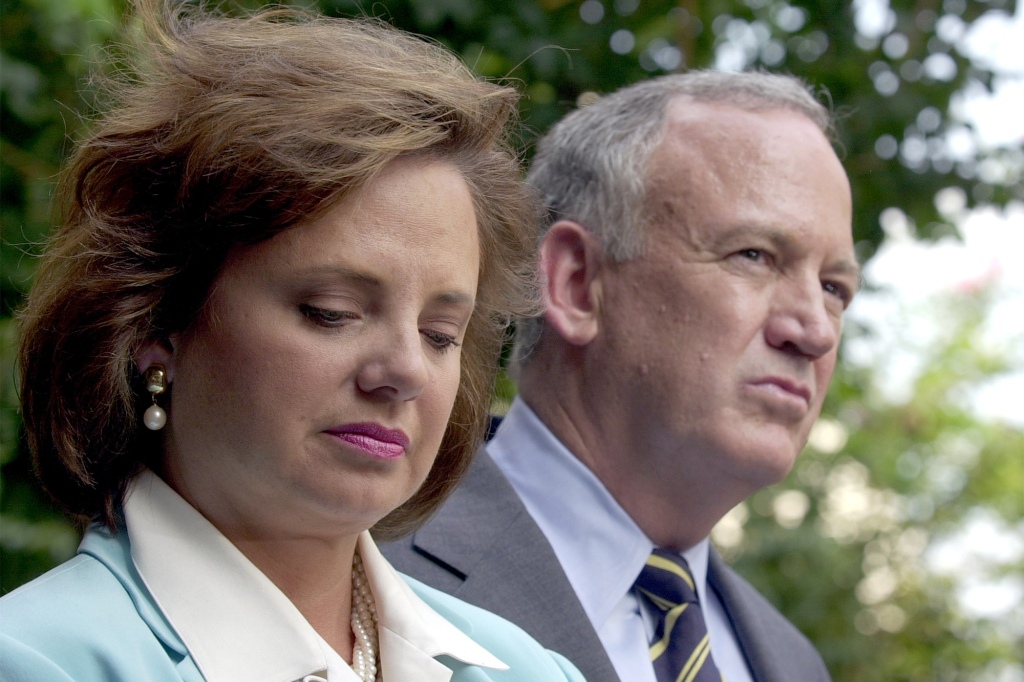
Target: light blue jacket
{"type": "Point", "coordinates": [92, 619]}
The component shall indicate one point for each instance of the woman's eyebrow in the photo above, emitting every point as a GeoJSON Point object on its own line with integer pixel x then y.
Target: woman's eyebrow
{"type": "Point", "coordinates": [343, 272]}
{"type": "Point", "coordinates": [456, 298]}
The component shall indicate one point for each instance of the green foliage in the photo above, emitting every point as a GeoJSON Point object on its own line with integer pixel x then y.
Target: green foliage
{"type": "Point", "coordinates": [840, 546]}
{"type": "Point", "coordinates": [879, 83]}
{"type": "Point", "coordinates": [48, 47]}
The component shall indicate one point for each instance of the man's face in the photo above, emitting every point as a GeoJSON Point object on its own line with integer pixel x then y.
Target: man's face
{"type": "Point", "coordinates": [720, 341]}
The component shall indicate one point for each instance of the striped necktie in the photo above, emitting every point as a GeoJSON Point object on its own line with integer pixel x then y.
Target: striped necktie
{"type": "Point", "coordinates": [681, 651]}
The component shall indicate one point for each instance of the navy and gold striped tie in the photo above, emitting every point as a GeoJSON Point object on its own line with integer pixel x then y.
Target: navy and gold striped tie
{"type": "Point", "coordinates": [681, 651]}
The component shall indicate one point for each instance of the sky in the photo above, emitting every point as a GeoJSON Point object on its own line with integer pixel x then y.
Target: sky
{"type": "Point", "coordinates": [912, 276]}
{"type": "Point", "coordinates": [909, 281]}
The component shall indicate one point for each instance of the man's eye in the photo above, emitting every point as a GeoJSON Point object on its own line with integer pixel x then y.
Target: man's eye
{"type": "Point", "coordinates": [752, 254]}
{"type": "Point", "coordinates": [441, 341]}
{"type": "Point", "coordinates": [839, 291]}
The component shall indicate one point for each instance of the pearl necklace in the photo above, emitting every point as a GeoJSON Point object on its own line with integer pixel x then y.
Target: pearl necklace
{"type": "Point", "coordinates": [364, 625]}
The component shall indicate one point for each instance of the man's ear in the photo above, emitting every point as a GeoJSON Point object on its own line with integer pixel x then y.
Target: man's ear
{"type": "Point", "coordinates": [571, 262]}
{"type": "Point", "coordinates": [154, 352]}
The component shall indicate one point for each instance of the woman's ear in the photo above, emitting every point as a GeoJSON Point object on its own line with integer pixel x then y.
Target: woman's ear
{"type": "Point", "coordinates": [155, 352]}
{"type": "Point", "coordinates": [571, 263]}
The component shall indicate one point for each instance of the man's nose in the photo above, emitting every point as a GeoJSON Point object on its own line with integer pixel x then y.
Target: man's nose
{"type": "Point", "coordinates": [802, 321]}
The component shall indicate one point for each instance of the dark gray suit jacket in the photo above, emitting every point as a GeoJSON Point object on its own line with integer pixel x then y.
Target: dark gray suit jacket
{"type": "Point", "coordinates": [484, 547]}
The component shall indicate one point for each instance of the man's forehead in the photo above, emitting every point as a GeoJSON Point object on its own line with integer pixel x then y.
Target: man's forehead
{"type": "Point", "coordinates": [684, 107]}
{"type": "Point", "coordinates": [722, 167]}
{"type": "Point", "coordinates": [722, 138]}
{"type": "Point", "coordinates": [724, 122]}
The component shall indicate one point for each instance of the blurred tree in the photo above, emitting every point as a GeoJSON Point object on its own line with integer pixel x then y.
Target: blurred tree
{"type": "Point", "coordinates": [839, 546]}
{"type": "Point", "coordinates": [895, 71]}
{"type": "Point", "coordinates": [47, 49]}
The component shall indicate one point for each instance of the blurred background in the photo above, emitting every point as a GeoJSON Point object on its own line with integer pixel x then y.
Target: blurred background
{"type": "Point", "coordinates": [897, 543]}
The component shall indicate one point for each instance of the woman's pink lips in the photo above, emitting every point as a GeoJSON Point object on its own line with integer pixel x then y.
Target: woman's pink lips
{"type": "Point", "coordinates": [373, 439]}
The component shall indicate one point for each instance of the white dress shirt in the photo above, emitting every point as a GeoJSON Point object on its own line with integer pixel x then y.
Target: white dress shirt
{"type": "Point", "coordinates": [239, 627]}
{"type": "Point", "coordinates": [600, 548]}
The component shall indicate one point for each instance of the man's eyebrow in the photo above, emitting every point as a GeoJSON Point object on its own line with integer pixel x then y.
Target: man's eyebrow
{"type": "Point", "coordinates": [753, 230]}
{"type": "Point", "coordinates": [848, 267]}
{"type": "Point", "coordinates": [785, 240]}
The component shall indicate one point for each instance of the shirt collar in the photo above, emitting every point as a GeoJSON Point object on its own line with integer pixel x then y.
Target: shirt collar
{"type": "Point", "coordinates": [405, 620]}
{"type": "Point", "coordinates": [239, 627]}
{"type": "Point", "coordinates": [600, 548]}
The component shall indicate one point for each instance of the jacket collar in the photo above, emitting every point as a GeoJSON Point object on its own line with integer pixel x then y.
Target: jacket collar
{"type": "Point", "coordinates": [411, 633]}
{"type": "Point", "coordinates": [485, 537]}
{"type": "Point", "coordinates": [205, 597]}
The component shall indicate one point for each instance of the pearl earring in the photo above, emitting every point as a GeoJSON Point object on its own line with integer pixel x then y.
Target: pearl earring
{"type": "Point", "coordinates": [156, 383]}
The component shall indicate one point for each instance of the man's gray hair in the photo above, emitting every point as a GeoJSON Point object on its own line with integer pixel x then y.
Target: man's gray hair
{"type": "Point", "coordinates": [591, 167]}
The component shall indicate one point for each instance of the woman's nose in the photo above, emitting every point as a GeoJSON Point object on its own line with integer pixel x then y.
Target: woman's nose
{"type": "Point", "coordinates": [395, 367]}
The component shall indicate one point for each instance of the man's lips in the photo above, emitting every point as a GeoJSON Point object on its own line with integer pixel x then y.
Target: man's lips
{"type": "Point", "coordinates": [375, 440]}
{"type": "Point", "coordinates": [785, 386]}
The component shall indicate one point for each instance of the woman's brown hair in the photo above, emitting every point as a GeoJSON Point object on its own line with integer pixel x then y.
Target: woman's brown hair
{"type": "Point", "coordinates": [223, 131]}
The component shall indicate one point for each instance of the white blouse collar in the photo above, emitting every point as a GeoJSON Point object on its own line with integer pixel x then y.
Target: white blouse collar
{"type": "Point", "coordinates": [239, 627]}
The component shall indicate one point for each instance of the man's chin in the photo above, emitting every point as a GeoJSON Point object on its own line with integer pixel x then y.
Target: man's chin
{"type": "Point", "coordinates": [763, 463]}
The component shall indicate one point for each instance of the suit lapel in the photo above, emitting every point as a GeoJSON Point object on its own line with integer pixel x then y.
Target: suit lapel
{"type": "Point", "coordinates": [775, 650]}
{"type": "Point", "coordinates": [484, 534]}
{"type": "Point", "coordinates": [744, 622]}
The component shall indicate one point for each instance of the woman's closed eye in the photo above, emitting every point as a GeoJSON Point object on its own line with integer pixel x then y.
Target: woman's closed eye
{"type": "Point", "coordinates": [440, 340]}
{"type": "Point", "coordinates": [326, 317]}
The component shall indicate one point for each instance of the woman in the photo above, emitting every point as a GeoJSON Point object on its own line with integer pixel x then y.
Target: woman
{"type": "Point", "coordinates": [290, 249]}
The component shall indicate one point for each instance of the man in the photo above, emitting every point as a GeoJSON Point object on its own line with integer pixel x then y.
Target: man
{"type": "Point", "coordinates": [696, 267]}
